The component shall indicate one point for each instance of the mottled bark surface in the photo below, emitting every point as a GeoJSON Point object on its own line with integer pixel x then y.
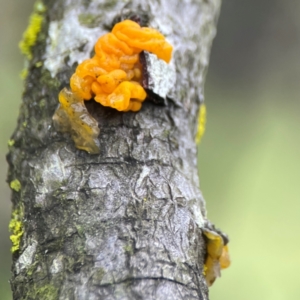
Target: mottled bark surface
{"type": "Point", "coordinates": [124, 224]}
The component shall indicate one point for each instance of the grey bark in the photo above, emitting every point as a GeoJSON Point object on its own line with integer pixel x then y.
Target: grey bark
{"type": "Point", "coordinates": [124, 224]}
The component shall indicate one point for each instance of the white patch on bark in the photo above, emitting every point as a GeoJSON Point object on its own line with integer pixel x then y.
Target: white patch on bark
{"type": "Point", "coordinates": [26, 257]}
{"type": "Point", "coordinates": [68, 38]}
{"type": "Point", "coordinates": [51, 173]}
{"type": "Point", "coordinates": [162, 76]}
{"type": "Point", "coordinates": [57, 265]}
{"type": "Point", "coordinates": [143, 175]}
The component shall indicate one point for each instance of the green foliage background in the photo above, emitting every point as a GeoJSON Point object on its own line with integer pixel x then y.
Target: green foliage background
{"type": "Point", "coordinates": [248, 159]}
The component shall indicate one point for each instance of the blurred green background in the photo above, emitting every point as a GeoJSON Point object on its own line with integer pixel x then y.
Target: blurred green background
{"type": "Point", "coordinates": [248, 159]}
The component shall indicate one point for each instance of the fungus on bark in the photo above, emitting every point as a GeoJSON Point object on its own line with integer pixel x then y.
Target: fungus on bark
{"type": "Point", "coordinates": [113, 77]}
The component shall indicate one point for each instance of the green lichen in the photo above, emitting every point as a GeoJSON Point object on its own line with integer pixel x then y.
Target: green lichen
{"type": "Point", "coordinates": [38, 64]}
{"type": "Point", "coordinates": [80, 230]}
{"type": "Point", "coordinates": [46, 79]}
{"type": "Point", "coordinates": [106, 5]}
{"type": "Point", "coordinates": [89, 20]}
{"type": "Point", "coordinates": [98, 275]}
{"type": "Point", "coordinates": [128, 248]}
{"type": "Point", "coordinates": [32, 268]}
{"type": "Point", "coordinates": [46, 291]}
{"type": "Point", "coordinates": [31, 33]}
{"type": "Point", "coordinates": [15, 185]}
{"type": "Point", "coordinates": [42, 103]}
{"type": "Point", "coordinates": [16, 229]}
{"type": "Point", "coordinates": [10, 143]}
{"type": "Point", "coordinates": [166, 133]}
{"type": "Point", "coordinates": [24, 74]}
{"type": "Point", "coordinates": [201, 123]}
{"type": "Point", "coordinates": [93, 21]}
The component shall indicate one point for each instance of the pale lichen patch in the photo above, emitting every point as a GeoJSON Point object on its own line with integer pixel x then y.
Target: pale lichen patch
{"type": "Point", "coordinates": [57, 265]}
{"type": "Point", "coordinates": [26, 258]}
{"type": "Point", "coordinates": [49, 174]}
{"type": "Point", "coordinates": [68, 38]}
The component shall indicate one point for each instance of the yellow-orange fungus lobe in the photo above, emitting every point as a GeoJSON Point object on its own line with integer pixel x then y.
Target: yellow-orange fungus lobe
{"type": "Point", "coordinates": [113, 75]}
{"type": "Point", "coordinates": [72, 116]}
{"type": "Point", "coordinates": [217, 256]}
{"type": "Point", "coordinates": [224, 258]}
{"type": "Point", "coordinates": [81, 86]}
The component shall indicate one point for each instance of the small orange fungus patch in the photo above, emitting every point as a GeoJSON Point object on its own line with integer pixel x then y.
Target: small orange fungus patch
{"type": "Point", "coordinates": [112, 77]}
{"type": "Point", "coordinates": [217, 256]}
{"type": "Point", "coordinates": [72, 116]}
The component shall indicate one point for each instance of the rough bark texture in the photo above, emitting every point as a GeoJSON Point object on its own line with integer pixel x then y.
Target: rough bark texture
{"type": "Point", "coordinates": [124, 224]}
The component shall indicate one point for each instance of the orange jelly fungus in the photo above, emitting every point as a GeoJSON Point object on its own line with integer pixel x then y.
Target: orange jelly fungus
{"type": "Point", "coordinates": [217, 256]}
{"type": "Point", "coordinates": [113, 76]}
{"type": "Point", "coordinates": [73, 117]}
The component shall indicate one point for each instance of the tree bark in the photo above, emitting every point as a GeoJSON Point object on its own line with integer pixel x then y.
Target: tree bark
{"type": "Point", "coordinates": [124, 224]}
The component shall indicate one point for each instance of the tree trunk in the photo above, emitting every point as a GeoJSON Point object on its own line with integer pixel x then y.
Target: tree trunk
{"type": "Point", "coordinates": [125, 223]}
